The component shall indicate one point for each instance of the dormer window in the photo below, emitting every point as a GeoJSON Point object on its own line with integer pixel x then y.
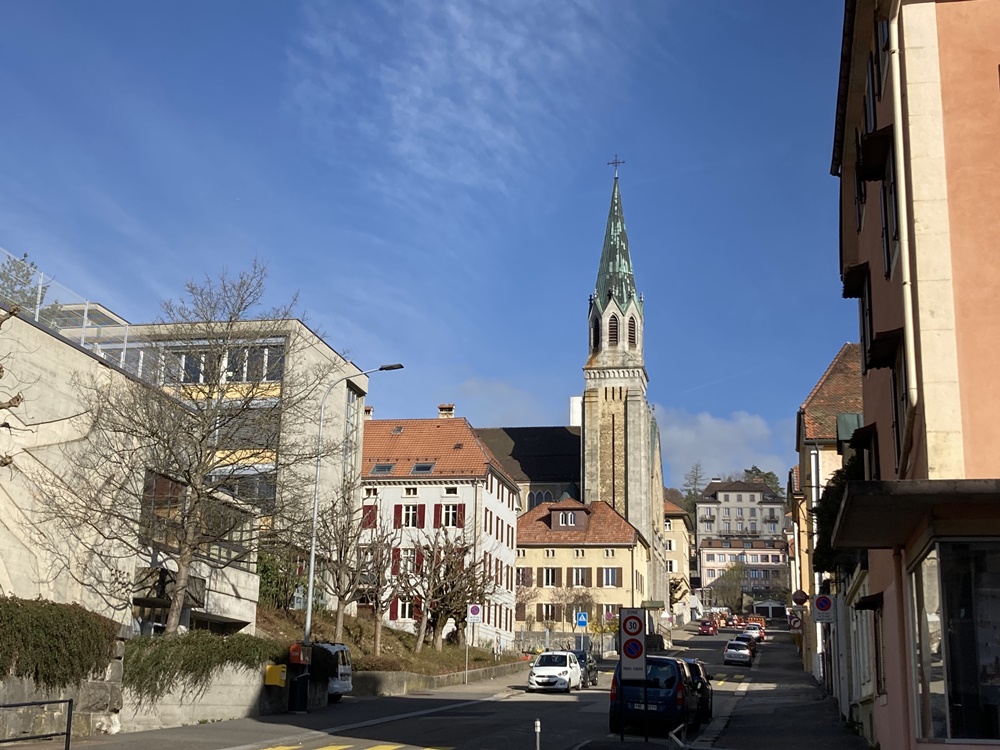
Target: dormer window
{"type": "Point", "coordinates": [567, 518]}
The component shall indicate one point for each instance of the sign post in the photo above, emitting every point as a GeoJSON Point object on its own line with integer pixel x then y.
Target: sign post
{"type": "Point", "coordinates": [632, 637]}
{"type": "Point", "coordinates": [473, 615]}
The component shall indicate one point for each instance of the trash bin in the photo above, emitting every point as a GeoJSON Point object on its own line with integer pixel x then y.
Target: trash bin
{"type": "Point", "coordinates": [298, 692]}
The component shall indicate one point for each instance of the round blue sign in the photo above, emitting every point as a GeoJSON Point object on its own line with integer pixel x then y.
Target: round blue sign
{"type": "Point", "coordinates": [632, 648]}
{"type": "Point", "coordinates": [823, 603]}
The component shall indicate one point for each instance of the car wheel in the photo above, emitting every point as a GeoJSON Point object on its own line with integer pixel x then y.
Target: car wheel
{"type": "Point", "coordinates": [333, 697]}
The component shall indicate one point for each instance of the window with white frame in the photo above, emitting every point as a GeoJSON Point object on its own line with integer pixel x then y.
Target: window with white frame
{"type": "Point", "coordinates": [610, 577]}
{"type": "Point", "coordinates": [548, 612]}
{"type": "Point", "coordinates": [580, 576]}
{"type": "Point", "coordinates": [451, 491]}
{"type": "Point", "coordinates": [410, 516]}
{"type": "Point", "coordinates": [671, 566]}
{"type": "Point", "coordinates": [407, 560]}
{"type": "Point", "coordinates": [710, 557]}
{"type": "Point", "coordinates": [449, 516]}
{"type": "Point", "coordinates": [711, 572]}
{"type": "Point", "coordinates": [409, 492]}
{"type": "Point", "coordinates": [567, 518]}
{"type": "Point", "coordinates": [550, 577]}
{"type": "Point", "coordinates": [609, 612]}
{"type": "Point", "coordinates": [371, 492]}
{"type": "Point", "coordinates": [726, 512]}
{"type": "Point", "coordinates": [405, 610]}
{"type": "Point", "coordinates": [668, 545]}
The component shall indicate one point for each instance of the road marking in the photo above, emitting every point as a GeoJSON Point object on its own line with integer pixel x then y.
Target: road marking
{"type": "Point", "coordinates": [335, 747]}
{"type": "Point", "coordinates": [385, 747]}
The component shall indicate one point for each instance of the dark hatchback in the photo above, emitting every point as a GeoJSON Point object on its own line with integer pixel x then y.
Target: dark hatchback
{"type": "Point", "coordinates": [750, 641]}
{"type": "Point", "coordinates": [670, 697]}
{"type": "Point", "coordinates": [703, 684]}
{"type": "Point", "coordinates": [588, 667]}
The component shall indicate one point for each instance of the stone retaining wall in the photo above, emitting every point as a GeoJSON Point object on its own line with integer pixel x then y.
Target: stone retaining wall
{"type": "Point", "coordinates": [401, 683]}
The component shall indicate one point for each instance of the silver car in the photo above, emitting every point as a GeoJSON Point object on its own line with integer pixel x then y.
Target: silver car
{"type": "Point", "coordinates": [737, 652]}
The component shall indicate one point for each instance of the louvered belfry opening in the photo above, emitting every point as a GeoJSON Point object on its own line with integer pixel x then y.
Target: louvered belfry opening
{"type": "Point", "coordinates": [631, 332]}
{"type": "Point", "coordinates": [613, 331]}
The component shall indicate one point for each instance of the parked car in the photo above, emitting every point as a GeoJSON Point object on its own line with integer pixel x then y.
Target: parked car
{"type": "Point", "coordinates": [341, 679]}
{"type": "Point", "coordinates": [555, 670]}
{"type": "Point", "coordinates": [588, 667]}
{"type": "Point", "coordinates": [754, 633]}
{"type": "Point", "coordinates": [708, 627]}
{"type": "Point", "coordinates": [749, 640]}
{"type": "Point", "coordinates": [737, 652]}
{"type": "Point", "coordinates": [703, 684]}
{"type": "Point", "coordinates": [668, 699]}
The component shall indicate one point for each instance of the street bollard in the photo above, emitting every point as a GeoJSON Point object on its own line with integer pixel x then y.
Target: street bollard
{"type": "Point", "coordinates": [538, 735]}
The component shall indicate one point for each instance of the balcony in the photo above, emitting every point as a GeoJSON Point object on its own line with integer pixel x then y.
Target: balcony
{"type": "Point", "coordinates": [743, 533]}
{"type": "Point", "coordinates": [706, 519]}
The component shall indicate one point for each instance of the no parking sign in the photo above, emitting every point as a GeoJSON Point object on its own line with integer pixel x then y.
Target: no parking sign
{"type": "Point", "coordinates": [823, 608]}
{"type": "Point", "coordinates": [632, 637]}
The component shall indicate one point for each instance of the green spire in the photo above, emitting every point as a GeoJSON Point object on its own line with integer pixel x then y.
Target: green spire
{"type": "Point", "coordinates": [615, 279]}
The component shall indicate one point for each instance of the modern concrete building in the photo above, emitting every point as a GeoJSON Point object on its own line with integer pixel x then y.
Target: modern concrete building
{"type": "Point", "coordinates": [422, 476]}
{"type": "Point", "coordinates": [915, 149]}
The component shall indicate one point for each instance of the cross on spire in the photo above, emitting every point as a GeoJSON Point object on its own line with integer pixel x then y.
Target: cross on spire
{"type": "Point", "coordinates": [615, 163]}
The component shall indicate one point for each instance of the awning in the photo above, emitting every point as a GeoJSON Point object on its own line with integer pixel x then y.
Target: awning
{"type": "Point", "coordinates": [883, 515]}
{"type": "Point", "coordinates": [883, 349]}
{"type": "Point", "coordinates": [854, 280]}
{"type": "Point", "coordinates": [862, 437]}
{"type": "Point", "coordinates": [875, 154]}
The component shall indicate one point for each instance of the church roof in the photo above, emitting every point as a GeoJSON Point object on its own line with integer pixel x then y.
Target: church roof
{"type": "Point", "coordinates": [536, 454]}
{"type": "Point", "coordinates": [615, 279]}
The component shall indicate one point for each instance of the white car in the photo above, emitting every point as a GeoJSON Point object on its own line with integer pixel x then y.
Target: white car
{"type": "Point", "coordinates": [340, 681]}
{"type": "Point", "coordinates": [555, 670]}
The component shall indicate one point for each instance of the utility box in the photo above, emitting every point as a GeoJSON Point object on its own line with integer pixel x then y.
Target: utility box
{"type": "Point", "coordinates": [300, 653]}
{"type": "Point", "coordinates": [275, 674]}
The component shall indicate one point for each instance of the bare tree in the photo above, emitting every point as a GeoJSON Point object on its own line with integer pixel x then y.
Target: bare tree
{"type": "Point", "coordinates": [339, 539]}
{"type": "Point", "coordinates": [447, 581]}
{"type": "Point", "coordinates": [210, 447]}
{"type": "Point", "coordinates": [384, 575]}
{"type": "Point", "coordinates": [728, 587]}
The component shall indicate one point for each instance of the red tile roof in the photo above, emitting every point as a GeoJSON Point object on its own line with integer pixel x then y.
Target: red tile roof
{"type": "Point", "coordinates": [837, 392]}
{"type": "Point", "coordinates": [669, 509]}
{"type": "Point", "coordinates": [450, 444]}
{"type": "Point", "coordinates": [604, 527]}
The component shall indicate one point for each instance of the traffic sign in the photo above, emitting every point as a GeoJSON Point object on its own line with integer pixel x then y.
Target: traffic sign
{"type": "Point", "coordinates": [475, 613]}
{"type": "Point", "coordinates": [823, 608]}
{"type": "Point", "coordinates": [632, 648]}
{"type": "Point", "coordinates": [632, 636]}
{"type": "Point", "coordinates": [795, 624]}
{"type": "Point", "coordinates": [581, 619]}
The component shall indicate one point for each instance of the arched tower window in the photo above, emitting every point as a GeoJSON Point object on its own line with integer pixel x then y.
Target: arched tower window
{"type": "Point", "coordinates": [631, 332]}
{"type": "Point", "coordinates": [596, 335]}
{"type": "Point", "coordinates": [613, 331]}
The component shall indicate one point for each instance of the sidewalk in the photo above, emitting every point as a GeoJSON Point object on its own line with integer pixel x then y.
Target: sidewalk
{"type": "Point", "coordinates": [790, 712]}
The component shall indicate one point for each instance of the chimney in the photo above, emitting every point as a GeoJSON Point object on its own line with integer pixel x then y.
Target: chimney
{"type": "Point", "coordinates": [369, 412]}
{"type": "Point", "coordinates": [446, 411]}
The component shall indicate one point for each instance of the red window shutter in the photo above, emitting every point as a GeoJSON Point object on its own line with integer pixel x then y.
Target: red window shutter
{"type": "Point", "coordinates": [437, 516]}
{"type": "Point", "coordinates": [368, 514]}
{"type": "Point", "coordinates": [461, 516]}
{"type": "Point", "coordinates": [420, 565]}
{"type": "Point", "coordinates": [421, 516]}
{"type": "Point", "coordinates": [394, 608]}
{"type": "Point", "coordinates": [417, 607]}
{"type": "Point", "coordinates": [395, 563]}
{"type": "Point", "coordinates": [618, 577]}
{"type": "Point", "coordinates": [397, 516]}
{"type": "Point", "coordinates": [519, 611]}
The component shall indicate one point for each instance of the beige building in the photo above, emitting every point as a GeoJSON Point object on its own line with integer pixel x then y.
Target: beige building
{"type": "Point", "coordinates": [916, 152]}
{"type": "Point", "coordinates": [678, 535]}
{"type": "Point", "coordinates": [578, 557]}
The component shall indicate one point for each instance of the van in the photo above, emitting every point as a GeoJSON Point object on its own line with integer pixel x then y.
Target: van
{"type": "Point", "coordinates": [668, 699]}
{"type": "Point", "coordinates": [340, 677]}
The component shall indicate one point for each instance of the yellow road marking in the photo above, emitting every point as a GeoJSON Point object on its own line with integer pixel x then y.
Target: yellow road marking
{"type": "Point", "coordinates": [384, 747]}
{"type": "Point", "coordinates": [284, 747]}
{"type": "Point", "coordinates": [335, 747]}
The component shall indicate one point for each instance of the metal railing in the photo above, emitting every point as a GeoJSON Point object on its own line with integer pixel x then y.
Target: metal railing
{"type": "Point", "coordinates": [46, 735]}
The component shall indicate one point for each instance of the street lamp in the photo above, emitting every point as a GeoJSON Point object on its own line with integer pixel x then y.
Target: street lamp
{"type": "Point", "coordinates": [315, 517]}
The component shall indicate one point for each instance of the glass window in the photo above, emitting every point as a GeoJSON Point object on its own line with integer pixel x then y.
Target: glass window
{"type": "Point", "coordinates": [580, 576]}
{"type": "Point", "coordinates": [610, 577]}
{"type": "Point", "coordinates": [449, 516]}
{"type": "Point", "coordinates": [710, 557]}
{"type": "Point", "coordinates": [956, 605]}
{"type": "Point", "coordinates": [410, 516]}
{"type": "Point", "coordinates": [549, 577]}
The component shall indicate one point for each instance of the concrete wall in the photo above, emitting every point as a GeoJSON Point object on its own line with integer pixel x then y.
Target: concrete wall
{"type": "Point", "coordinates": [401, 683]}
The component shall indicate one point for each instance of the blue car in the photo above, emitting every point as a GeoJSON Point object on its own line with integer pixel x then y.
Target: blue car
{"type": "Point", "coordinates": [670, 698]}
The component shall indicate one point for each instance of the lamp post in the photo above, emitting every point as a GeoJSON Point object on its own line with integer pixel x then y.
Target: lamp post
{"type": "Point", "coordinates": [315, 515]}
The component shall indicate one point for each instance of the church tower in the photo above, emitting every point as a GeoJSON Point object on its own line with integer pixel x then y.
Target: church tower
{"type": "Point", "coordinates": [619, 434]}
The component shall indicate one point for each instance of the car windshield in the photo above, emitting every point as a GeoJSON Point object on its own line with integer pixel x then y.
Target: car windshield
{"type": "Point", "coordinates": [706, 622]}
{"type": "Point", "coordinates": [551, 660]}
{"type": "Point", "coordinates": [737, 646]}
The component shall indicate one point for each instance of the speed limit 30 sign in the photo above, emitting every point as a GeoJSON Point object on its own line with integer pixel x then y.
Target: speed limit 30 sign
{"type": "Point", "coordinates": [632, 637]}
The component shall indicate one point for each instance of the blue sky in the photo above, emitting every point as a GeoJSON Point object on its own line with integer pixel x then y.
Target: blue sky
{"type": "Point", "coordinates": [431, 177]}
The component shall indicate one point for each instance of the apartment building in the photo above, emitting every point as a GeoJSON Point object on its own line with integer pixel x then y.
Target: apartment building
{"type": "Point", "coordinates": [915, 149]}
{"type": "Point", "coordinates": [426, 476]}
{"type": "Point", "coordinates": [677, 539]}
{"type": "Point", "coordinates": [732, 518]}
{"type": "Point", "coordinates": [824, 423]}
{"type": "Point", "coordinates": [577, 557]}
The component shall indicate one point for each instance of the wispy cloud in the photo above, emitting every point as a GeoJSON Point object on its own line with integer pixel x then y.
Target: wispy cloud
{"type": "Point", "coordinates": [463, 94]}
{"type": "Point", "coordinates": [723, 445]}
